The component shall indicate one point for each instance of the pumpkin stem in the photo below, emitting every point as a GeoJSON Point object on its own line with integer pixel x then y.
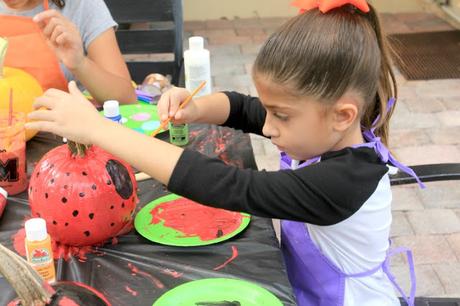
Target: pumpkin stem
{"type": "Point", "coordinates": [28, 285]}
{"type": "Point", "coordinates": [77, 149]}
{"type": "Point", "coordinates": [3, 48]}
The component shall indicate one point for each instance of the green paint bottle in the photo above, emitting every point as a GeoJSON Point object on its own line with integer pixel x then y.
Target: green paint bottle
{"type": "Point", "coordinates": [178, 134]}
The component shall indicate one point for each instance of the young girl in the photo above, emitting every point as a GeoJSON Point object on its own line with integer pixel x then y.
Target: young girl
{"type": "Point", "coordinates": [324, 80]}
{"type": "Point", "coordinates": [62, 40]}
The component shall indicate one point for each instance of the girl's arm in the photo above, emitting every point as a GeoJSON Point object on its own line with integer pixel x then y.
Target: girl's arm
{"type": "Point", "coordinates": [103, 71]}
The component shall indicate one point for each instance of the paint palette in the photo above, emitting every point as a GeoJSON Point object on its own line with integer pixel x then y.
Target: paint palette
{"type": "Point", "coordinates": [140, 117]}
{"type": "Point", "coordinates": [218, 291]}
{"type": "Point", "coordinates": [177, 221]}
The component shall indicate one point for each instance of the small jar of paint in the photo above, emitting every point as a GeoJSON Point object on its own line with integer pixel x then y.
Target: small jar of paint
{"type": "Point", "coordinates": [112, 110]}
{"type": "Point", "coordinates": [38, 249]}
{"type": "Point", "coordinates": [178, 134]}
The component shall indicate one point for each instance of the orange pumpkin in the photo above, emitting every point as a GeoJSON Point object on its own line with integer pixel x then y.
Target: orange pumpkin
{"type": "Point", "coordinates": [25, 87]}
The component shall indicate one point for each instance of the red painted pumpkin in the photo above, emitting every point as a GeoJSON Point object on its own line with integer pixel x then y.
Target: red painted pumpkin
{"type": "Point", "coordinates": [85, 194]}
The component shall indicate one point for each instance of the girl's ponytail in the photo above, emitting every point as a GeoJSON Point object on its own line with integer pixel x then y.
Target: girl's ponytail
{"type": "Point", "coordinates": [387, 87]}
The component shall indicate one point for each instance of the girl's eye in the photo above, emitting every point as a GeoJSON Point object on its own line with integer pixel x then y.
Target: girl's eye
{"type": "Point", "coordinates": [281, 116]}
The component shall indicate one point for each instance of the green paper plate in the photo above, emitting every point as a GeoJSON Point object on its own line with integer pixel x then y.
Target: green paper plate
{"type": "Point", "coordinates": [218, 291]}
{"type": "Point", "coordinates": [162, 234]}
{"type": "Point", "coordinates": [140, 117]}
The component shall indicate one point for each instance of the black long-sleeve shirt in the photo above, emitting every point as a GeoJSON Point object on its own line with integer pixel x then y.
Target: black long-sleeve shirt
{"type": "Point", "coordinates": [323, 194]}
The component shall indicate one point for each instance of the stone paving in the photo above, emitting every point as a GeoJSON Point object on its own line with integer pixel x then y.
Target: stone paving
{"type": "Point", "coordinates": [425, 129]}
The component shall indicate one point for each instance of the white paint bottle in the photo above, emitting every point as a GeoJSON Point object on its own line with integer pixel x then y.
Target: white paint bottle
{"type": "Point", "coordinates": [197, 64]}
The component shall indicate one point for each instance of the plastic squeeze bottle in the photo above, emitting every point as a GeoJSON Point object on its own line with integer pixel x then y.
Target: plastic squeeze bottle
{"type": "Point", "coordinates": [38, 249]}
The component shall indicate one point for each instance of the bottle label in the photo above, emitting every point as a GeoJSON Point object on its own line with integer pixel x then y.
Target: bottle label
{"type": "Point", "coordinates": [40, 256]}
{"type": "Point", "coordinates": [194, 75]}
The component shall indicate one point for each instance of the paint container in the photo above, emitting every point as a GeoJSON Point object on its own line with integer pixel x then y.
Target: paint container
{"type": "Point", "coordinates": [38, 249]}
{"type": "Point", "coordinates": [3, 197]}
{"type": "Point", "coordinates": [112, 110]}
{"type": "Point", "coordinates": [178, 134]}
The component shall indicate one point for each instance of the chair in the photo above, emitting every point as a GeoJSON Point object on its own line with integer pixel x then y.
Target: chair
{"type": "Point", "coordinates": [150, 27]}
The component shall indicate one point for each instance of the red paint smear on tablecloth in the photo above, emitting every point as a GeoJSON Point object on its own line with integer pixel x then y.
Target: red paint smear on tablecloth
{"type": "Point", "coordinates": [154, 280]}
{"type": "Point", "coordinates": [172, 273]}
{"type": "Point", "coordinates": [93, 290]}
{"type": "Point", "coordinates": [193, 219]}
{"type": "Point", "coordinates": [65, 301]}
{"type": "Point", "coordinates": [234, 255]}
{"type": "Point", "coordinates": [131, 291]}
{"type": "Point", "coordinates": [59, 250]}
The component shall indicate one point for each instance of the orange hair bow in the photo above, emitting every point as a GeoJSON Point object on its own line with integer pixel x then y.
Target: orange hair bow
{"type": "Point", "coordinates": [327, 5]}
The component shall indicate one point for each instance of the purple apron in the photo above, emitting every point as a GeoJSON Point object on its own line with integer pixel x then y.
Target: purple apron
{"type": "Point", "coordinates": [316, 280]}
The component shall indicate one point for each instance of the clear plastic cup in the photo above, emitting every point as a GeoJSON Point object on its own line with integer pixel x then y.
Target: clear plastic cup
{"type": "Point", "coordinates": [13, 174]}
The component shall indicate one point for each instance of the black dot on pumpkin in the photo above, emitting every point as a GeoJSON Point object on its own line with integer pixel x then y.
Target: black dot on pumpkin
{"type": "Point", "coordinates": [93, 187]}
{"type": "Point", "coordinates": [75, 213]}
{"type": "Point", "coordinates": [64, 200]}
{"type": "Point", "coordinates": [66, 224]}
{"type": "Point", "coordinates": [112, 207]}
{"type": "Point", "coordinates": [67, 173]}
{"type": "Point", "coordinates": [84, 173]}
{"type": "Point", "coordinates": [123, 205]}
{"type": "Point", "coordinates": [38, 215]}
{"type": "Point", "coordinates": [109, 182]}
{"type": "Point", "coordinates": [38, 173]}
{"type": "Point", "coordinates": [87, 233]}
{"type": "Point", "coordinates": [46, 195]}
{"type": "Point", "coordinates": [66, 186]}
{"type": "Point", "coordinates": [52, 181]}
{"type": "Point", "coordinates": [52, 165]}
{"type": "Point", "coordinates": [54, 222]}
{"type": "Point", "coordinates": [91, 216]}
{"type": "Point", "coordinates": [81, 194]}
{"type": "Point", "coordinates": [112, 224]}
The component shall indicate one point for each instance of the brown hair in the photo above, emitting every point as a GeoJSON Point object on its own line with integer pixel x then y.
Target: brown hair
{"type": "Point", "coordinates": [325, 55]}
{"type": "Point", "coordinates": [60, 3]}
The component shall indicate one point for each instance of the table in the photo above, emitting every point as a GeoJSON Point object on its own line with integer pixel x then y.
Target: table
{"type": "Point", "coordinates": [136, 271]}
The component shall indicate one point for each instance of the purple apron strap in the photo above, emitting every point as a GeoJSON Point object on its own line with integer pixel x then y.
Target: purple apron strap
{"type": "Point", "coordinates": [383, 152]}
{"type": "Point", "coordinates": [386, 268]}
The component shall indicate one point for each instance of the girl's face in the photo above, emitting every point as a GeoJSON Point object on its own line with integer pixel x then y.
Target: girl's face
{"type": "Point", "coordinates": [301, 127]}
{"type": "Point", "coordinates": [21, 4]}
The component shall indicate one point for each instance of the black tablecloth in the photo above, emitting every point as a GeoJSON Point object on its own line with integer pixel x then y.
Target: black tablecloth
{"type": "Point", "coordinates": [110, 270]}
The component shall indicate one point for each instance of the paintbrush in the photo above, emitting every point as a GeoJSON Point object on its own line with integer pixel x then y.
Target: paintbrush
{"type": "Point", "coordinates": [186, 101]}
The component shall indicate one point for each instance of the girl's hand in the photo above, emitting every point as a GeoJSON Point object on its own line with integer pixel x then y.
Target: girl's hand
{"type": "Point", "coordinates": [169, 104]}
{"type": "Point", "coordinates": [63, 36]}
{"type": "Point", "coordinates": [68, 115]}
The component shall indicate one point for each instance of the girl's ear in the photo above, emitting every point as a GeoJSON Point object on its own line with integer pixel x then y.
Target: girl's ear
{"type": "Point", "coordinates": [345, 113]}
